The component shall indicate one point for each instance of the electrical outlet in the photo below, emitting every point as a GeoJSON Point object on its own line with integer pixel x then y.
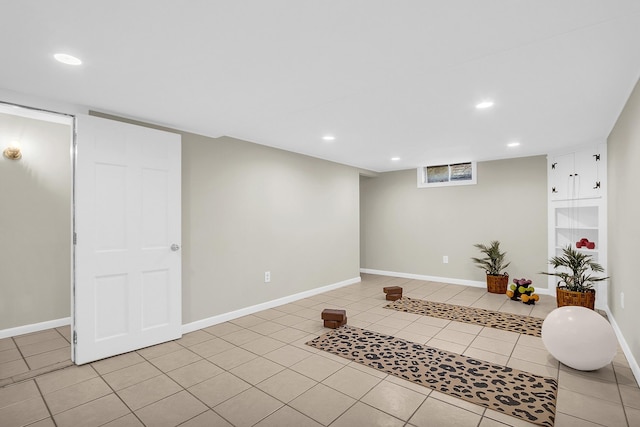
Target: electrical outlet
{"type": "Point", "coordinates": [445, 259]}
{"type": "Point", "coordinates": [622, 299]}
{"type": "Point", "coordinates": [267, 276]}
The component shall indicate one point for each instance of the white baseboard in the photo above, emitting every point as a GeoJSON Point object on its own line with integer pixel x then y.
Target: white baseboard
{"type": "Point", "coordinates": [633, 363]}
{"type": "Point", "coordinates": [465, 282]}
{"type": "Point", "coordinates": [225, 317]}
{"type": "Point", "coordinates": [35, 327]}
{"type": "Point", "coordinates": [474, 283]}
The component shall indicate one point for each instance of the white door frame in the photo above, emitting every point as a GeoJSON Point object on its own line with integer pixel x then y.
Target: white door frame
{"type": "Point", "coordinates": [70, 119]}
{"type": "Point", "coordinates": [46, 115]}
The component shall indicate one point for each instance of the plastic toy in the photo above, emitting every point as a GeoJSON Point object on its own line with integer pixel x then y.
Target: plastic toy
{"type": "Point", "coordinates": [521, 290]}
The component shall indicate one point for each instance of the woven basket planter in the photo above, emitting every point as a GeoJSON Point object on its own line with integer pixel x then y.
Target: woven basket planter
{"type": "Point", "coordinates": [497, 284]}
{"type": "Point", "coordinates": [565, 297]}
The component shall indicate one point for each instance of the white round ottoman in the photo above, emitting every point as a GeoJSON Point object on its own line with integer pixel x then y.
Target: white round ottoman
{"type": "Point", "coordinates": [579, 337]}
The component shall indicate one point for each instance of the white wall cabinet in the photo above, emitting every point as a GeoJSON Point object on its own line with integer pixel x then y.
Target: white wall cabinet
{"type": "Point", "coordinates": [578, 174]}
{"type": "Point", "coordinates": [577, 206]}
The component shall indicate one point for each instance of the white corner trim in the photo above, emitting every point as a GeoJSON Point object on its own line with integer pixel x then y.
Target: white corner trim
{"type": "Point", "coordinates": [474, 283]}
{"type": "Point", "coordinates": [35, 327]}
{"type": "Point", "coordinates": [633, 363]}
{"type": "Point", "coordinates": [225, 317]}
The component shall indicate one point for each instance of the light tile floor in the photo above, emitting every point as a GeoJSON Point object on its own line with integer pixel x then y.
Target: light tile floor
{"type": "Point", "coordinates": [257, 370]}
{"type": "Point", "coordinates": [26, 356]}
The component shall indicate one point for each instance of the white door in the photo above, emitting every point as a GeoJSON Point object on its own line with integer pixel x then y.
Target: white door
{"type": "Point", "coordinates": [127, 281]}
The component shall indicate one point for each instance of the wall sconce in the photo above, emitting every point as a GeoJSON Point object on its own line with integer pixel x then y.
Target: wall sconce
{"type": "Point", "coordinates": [13, 152]}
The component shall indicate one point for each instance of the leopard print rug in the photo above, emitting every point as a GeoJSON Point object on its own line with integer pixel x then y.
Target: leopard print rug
{"type": "Point", "coordinates": [510, 391]}
{"type": "Point", "coordinates": [527, 325]}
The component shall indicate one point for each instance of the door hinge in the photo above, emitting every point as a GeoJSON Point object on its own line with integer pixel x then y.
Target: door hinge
{"type": "Point", "coordinates": [597, 185]}
{"type": "Point", "coordinates": [75, 337]}
{"type": "Point", "coordinates": [75, 238]}
{"type": "Point", "coordinates": [597, 156]}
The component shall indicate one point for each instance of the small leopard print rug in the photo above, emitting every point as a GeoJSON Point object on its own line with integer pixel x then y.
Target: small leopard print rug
{"type": "Point", "coordinates": [527, 325]}
{"type": "Point", "coordinates": [510, 391]}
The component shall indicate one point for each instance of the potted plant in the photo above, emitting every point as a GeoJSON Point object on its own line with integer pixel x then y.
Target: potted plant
{"type": "Point", "coordinates": [493, 263]}
{"type": "Point", "coordinates": [575, 286]}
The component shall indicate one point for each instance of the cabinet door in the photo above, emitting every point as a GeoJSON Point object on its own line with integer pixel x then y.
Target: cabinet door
{"type": "Point", "coordinates": [562, 180]}
{"type": "Point", "coordinates": [587, 180]}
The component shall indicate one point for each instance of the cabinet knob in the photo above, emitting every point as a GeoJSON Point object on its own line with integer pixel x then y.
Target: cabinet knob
{"type": "Point", "coordinates": [597, 185]}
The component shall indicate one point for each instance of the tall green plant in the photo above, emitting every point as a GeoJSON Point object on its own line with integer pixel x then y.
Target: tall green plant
{"type": "Point", "coordinates": [494, 261]}
{"type": "Point", "coordinates": [580, 266]}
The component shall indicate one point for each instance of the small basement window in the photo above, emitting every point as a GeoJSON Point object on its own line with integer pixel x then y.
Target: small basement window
{"type": "Point", "coordinates": [443, 175]}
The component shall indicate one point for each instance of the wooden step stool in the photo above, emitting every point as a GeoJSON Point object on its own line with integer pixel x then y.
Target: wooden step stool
{"type": "Point", "coordinates": [334, 318]}
{"type": "Point", "coordinates": [393, 292]}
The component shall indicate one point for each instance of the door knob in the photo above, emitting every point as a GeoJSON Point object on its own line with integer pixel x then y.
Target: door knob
{"type": "Point", "coordinates": [175, 247]}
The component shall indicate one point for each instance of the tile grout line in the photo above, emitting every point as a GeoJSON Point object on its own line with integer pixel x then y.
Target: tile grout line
{"type": "Point", "coordinates": [71, 385]}
{"type": "Point", "coordinates": [582, 419]}
{"type": "Point", "coordinates": [45, 402]}
{"type": "Point", "coordinates": [34, 372]}
{"type": "Point", "coordinates": [205, 404]}
{"type": "Point", "coordinates": [131, 411]}
{"type": "Point", "coordinates": [624, 410]}
{"type": "Point", "coordinates": [24, 359]}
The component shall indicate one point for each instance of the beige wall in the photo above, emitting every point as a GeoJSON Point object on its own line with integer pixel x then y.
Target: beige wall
{"type": "Point", "coordinates": [35, 218]}
{"type": "Point", "coordinates": [248, 209]}
{"type": "Point", "coordinates": [408, 229]}
{"type": "Point", "coordinates": [624, 220]}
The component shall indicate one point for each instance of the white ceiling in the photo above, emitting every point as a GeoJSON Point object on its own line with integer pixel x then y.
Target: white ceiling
{"type": "Point", "coordinates": [387, 78]}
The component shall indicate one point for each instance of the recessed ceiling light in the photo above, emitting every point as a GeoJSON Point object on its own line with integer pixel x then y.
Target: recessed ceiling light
{"type": "Point", "coordinates": [484, 104]}
{"type": "Point", "coordinates": [67, 59]}
{"type": "Point", "coordinates": [395, 159]}
{"type": "Point", "coordinates": [329, 138]}
{"type": "Point", "coordinates": [513, 144]}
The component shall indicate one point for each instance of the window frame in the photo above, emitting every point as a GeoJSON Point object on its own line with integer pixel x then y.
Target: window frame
{"type": "Point", "coordinates": [422, 176]}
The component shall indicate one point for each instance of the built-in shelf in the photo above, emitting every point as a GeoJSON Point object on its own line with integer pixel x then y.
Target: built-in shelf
{"type": "Point", "coordinates": [576, 217]}
{"type": "Point", "coordinates": [577, 228]}
{"type": "Point", "coordinates": [575, 211]}
{"type": "Point", "coordinates": [578, 249]}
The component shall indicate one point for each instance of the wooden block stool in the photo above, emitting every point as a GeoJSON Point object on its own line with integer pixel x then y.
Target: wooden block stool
{"type": "Point", "coordinates": [393, 292]}
{"type": "Point", "coordinates": [334, 318]}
